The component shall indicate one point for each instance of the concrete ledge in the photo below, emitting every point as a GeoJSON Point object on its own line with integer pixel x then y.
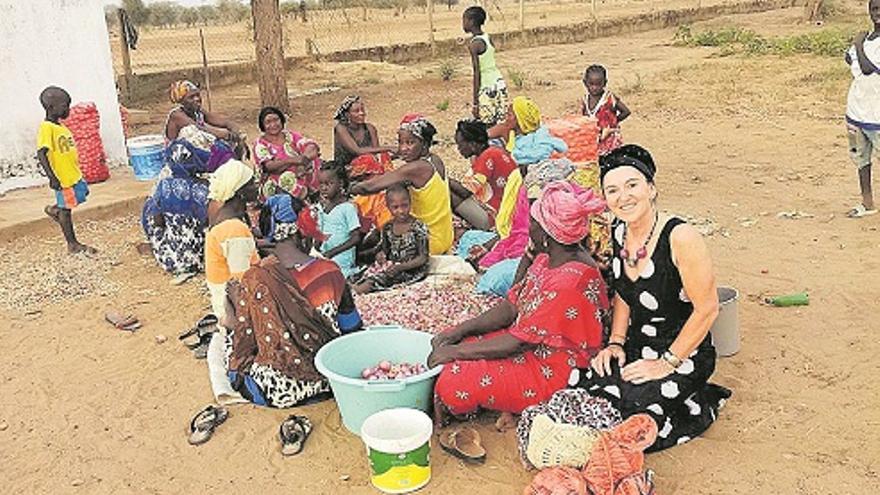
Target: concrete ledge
{"type": "Point", "coordinates": [21, 211]}
{"type": "Point", "coordinates": [147, 87]}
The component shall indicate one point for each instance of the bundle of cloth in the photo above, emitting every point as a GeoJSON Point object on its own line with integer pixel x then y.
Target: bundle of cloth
{"type": "Point", "coordinates": [584, 447]}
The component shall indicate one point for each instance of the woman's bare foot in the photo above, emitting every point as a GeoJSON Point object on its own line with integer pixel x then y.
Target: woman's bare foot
{"type": "Point", "coordinates": [78, 247]}
{"type": "Point", "coordinates": [52, 212]}
{"type": "Point", "coordinates": [506, 421]}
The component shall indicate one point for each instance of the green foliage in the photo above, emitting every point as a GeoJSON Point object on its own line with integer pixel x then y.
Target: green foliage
{"type": "Point", "coordinates": [443, 105]}
{"type": "Point", "coordinates": [634, 87]}
{"type": "Point", "coordinates": [517, 78]}
{"type": "Point", "coordinates": [447, 69]}
{"type": "Point", "coordinates": [164, 14]}
{"type": "Point", "coordinates": [137, 11]}
{"type": "Point", "coordinates": [827, 42]}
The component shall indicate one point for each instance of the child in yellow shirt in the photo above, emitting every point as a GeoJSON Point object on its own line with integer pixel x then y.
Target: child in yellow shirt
{"type": "Point", "coordinates": [56, 152]}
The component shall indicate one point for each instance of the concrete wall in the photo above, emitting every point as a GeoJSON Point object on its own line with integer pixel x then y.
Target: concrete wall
{"type": "Point", "coordinates": [150, 87]}
{"type": "Point", "coordinates": [52, 42]}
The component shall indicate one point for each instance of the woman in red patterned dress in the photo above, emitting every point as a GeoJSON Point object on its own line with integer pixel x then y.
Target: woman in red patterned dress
{"type": "Point", "coordinates": [524, 349]}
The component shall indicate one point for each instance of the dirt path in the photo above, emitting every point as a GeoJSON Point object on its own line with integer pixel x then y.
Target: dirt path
{"type": "Point", "coordinates": [738, 140]}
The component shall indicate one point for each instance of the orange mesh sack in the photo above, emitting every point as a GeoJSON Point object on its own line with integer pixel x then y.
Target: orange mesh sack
{"type": "Point", "coordinates": [85, 125]}
{"type": "Point", "coordinates": [618, 455]}
{"type": "Point", "coordinates": [580, 133]}
{"type": "Point", "coordinates": [557, 481]}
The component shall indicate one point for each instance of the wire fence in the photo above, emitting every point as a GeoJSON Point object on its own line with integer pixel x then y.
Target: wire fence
{"type": "Point", "coordinates": [320, 32]}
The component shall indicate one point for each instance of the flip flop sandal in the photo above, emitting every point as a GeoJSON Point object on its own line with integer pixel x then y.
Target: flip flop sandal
{"type": "Point", "coordinates": [293, 432]}
{"type": "Point", "coordinates": [860, 211]}
{"type": "Point", "coordinates": [208, 322]}
{"type": "Point", "coordinates": [465, 444]}
{"type": "Point", "coordinates": [126, 322]}
{"type": "Point", "coordinates": [203, 424]}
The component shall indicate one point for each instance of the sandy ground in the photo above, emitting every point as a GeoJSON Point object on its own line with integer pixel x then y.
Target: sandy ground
{"type": "Point", "coordinates": [88, 409]}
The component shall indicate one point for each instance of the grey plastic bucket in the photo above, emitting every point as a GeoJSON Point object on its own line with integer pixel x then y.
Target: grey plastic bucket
{"type": "Point", "coordinates": [725, 329]}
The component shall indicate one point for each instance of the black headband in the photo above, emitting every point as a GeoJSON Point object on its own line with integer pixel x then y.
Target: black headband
{"type": "Point", "coordinates": [628, 156]}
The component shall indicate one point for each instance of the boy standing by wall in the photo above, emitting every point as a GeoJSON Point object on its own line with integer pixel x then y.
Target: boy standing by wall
{"type": "Point", "coordinates": [56, 152]}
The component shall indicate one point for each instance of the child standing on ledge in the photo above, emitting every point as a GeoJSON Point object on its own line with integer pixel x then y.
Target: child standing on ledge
{"type": "Point", "coordinates": [56, 152]}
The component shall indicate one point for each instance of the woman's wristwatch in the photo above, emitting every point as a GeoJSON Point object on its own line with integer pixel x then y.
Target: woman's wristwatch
{"type": "Point", "coordinates": [672, 359]}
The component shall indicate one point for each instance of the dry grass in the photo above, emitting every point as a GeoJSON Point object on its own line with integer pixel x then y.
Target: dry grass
{"type": "Point", "coordinates": [337, 30]}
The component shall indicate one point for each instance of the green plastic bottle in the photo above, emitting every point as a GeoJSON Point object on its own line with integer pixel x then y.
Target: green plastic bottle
{"type": "Point", "coordinates": [796, 299]}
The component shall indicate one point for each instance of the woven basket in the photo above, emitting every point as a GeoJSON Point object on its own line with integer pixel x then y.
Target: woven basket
{"type": "Point", "coordinates": [557, 444]}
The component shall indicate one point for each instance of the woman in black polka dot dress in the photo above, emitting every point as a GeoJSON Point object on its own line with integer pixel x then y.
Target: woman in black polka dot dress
{"type": "Point", "coordinates": [659, 356]}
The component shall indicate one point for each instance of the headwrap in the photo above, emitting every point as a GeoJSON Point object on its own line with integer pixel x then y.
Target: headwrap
{"type": "Point", "coordinates": [229, 178]}
{"type": "Point", "coordinates": [545, 172]}
{"type": "Point", "coordinates": [284, 221]}
{"type": "Point", "coordinates": [370, 164]}
{"type": "Point", "coordinates": [629, 155]}
{"type": "Point", "coordinates": [563, 211]}
{"type": "Point", "coordinates": [179, 90]}
{"type": "Point", "coordinates": [473, 131]}
{"type": "Point", "coordinates": [345, 106]}
{"type": "Point", "coordinates": [527, 114]}
{"type": "Point", "coordinates": [419, 126]}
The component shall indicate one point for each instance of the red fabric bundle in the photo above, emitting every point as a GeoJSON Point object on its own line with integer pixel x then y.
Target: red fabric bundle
{"type": "Point", "coordinates": [85, 124]}
{"type": "Point", "coordinates": [580, 133]}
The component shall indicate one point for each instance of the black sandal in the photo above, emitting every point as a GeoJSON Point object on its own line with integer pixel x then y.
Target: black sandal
{"type": "Point", "coordinates": [203, 424]}
{"type": "Point", "coordinates": [293, 432]}
{"type": "Point", "coordinates": [207, 323]}
{"type": "Point", "coordinates": [205, 329]}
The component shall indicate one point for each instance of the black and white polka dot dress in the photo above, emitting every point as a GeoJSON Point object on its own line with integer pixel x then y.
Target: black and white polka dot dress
{"type": "Point", "coordinates": [683, 404]}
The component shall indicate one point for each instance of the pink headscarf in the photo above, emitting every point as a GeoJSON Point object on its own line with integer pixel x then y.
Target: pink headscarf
{"type": "Point", "coordinates": [563, 211]}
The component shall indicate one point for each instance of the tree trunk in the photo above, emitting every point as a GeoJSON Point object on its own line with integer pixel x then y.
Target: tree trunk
{"type": "Point", "coordinates": [813, 9]}
{"type": "Point", "coordinates": [269, 45]}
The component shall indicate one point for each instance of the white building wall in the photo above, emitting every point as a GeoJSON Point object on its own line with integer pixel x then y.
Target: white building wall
{"type": "Point", "coordinates": [52, 42]}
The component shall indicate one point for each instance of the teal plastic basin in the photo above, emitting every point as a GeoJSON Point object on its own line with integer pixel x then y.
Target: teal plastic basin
{"type": "Point", "coordinates": [342, 359]}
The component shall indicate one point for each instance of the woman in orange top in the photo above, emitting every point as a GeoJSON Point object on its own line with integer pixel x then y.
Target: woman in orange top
{"type": "Point", "coordinates": [230, 248]}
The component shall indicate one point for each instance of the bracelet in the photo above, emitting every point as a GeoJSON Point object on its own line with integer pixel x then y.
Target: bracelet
{"type": "Point", "coordinates": [618, 344]}
{"type": "Point", "coordinates": [672, 359]}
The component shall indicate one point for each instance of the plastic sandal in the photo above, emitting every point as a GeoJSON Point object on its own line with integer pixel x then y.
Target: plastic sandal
{"type": "Point", "coordinates": [127, 322]}
{"type": "Point", "coordinates": [293, 432]}
{"type": "Point", "coordinates": [206, 325]}
{"type": "Point", "coordinates": [203, 424]}
{"type": "Point", "coordinates": [465, 444]}
{"type": "Point", "coordinates": [860, 211]}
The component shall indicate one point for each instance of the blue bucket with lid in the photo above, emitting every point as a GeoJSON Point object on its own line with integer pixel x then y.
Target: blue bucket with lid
{"type": "Point", "coordinates": [146, 155]}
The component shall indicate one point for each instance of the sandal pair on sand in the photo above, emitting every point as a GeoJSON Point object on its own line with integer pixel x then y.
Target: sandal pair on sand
{"type": "Point", "coordinates": [203, 331]}
{"type": "Point", "coordinates": [122, 321]}
{"type": "Point", "coordinates": [293, 432]}
{"type": "Point", "coordinates": [465, 444]}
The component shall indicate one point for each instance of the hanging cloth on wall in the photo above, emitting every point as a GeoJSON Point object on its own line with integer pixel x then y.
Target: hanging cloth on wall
{"type": "Point", "coordinates": [128, 30]}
